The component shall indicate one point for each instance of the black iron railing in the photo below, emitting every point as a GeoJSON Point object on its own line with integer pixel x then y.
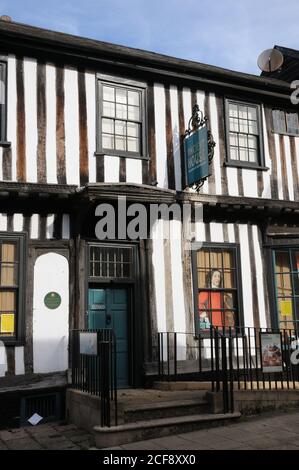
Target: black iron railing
{"type": "Point", "coordinates": [231, 359]}
{"type": "Point", "coordinates": [93, 356]}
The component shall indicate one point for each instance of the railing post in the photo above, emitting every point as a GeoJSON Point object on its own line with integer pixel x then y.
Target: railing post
{"type": "Point", "coordinates": [224, 375]}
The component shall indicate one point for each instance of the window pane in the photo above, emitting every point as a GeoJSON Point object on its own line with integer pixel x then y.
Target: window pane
{"type": "Point", "coordinates": [108, 141]}
{"type": "Point", "coordinates": [243, 126]}
{"type": "Point", "coordinates": [234, 154]}
{"type": "Point", "coordinates": [7, 301]}
{"type": "Point", "coordinates": [121, 111]}
{"type": "Point", "coordinates": [8, 252]}
{"type": "Point", "coordinates": [133, 113]}
{"type": "Point", "coordinates": [120, 128]}
{"type": "Point", "coordinates": [252, 156]}
{"type": "Point", "coordinates": [252, 141]}
{"type": "Point", "coordinates": [243, 140]}
{"type": "Point", "coordinates": [133, 98]}
{"type": "Point", "coordinates": [133, 144]}
{"type": "Point", "coordinates": [108, 126]}
{"type": "Point", "coordinates": [120, 143]}
{"type": "Point", "coordinates": [243, 154]}
{"type": "Point", "coordinates": [121, 95]}
{"type": "Point", "coordinates": [252, 127]}
{"type": "Point", "coordinates": [8, 275]}
{"type": "Point", "coordinates": [233, 124]}
{"type": "Point", "coordinates": [282, 261]}
{"type": "Point", "coordinates": [279, 121]}
{"type": "Point", "coordinates": [243, 112]}
{"type": "Point", "coordinates": [284, 285]}
{"type": "Point", "coordinates": [108, 109]}
{"type": "Point", "coordinates": [133, 129]}
{"type": "Point", "coordinates": [233, 110]}
{"type": "Point", "coordinates": [2, 92]}
{"type": "Point", "coordinates": [108, 93]}
{"type": "Point", "coordinates": [292, 123]}
{"type": "Point", "coordinates": [233, 139]}
{"type": "Point", "coordinates": [252, 113]}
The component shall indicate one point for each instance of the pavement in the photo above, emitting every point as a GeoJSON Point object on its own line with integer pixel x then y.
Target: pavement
{"type": "Point", "coordinates": [50, 436]}
{"type": "Point", "coordinates": [273, 431]}
{"type": "Point", "coordinates": [270, 431]}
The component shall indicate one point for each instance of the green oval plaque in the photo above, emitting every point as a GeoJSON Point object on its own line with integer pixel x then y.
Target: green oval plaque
{"type": "Point", "coordinates": [52, 300]}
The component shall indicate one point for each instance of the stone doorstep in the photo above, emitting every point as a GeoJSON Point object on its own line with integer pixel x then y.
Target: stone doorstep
{"type": "Point", "coordinates": [141, 430]}
{"type": "Point", "coordinates": [164, 405]}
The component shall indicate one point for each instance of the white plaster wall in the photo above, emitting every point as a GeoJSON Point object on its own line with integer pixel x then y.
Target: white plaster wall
{"type": "Point", "coordinates": [3, 360]}
{"type": "Point", "coordinates": [50, 327]}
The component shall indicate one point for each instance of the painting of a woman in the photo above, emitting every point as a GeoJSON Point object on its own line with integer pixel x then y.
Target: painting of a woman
{"type": "Point", "coordinates": [213, 305]}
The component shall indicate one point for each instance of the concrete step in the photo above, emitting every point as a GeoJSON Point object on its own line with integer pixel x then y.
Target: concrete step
{"type": "Point", "coordinates": [142, 430]}
{"type": "Point", "coordinates": [165, 409]}
{"type": "Point", "coordinates": [182, 385]}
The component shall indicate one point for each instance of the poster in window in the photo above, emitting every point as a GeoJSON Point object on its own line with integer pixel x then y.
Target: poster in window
{"type": "Point", "coordinates": [216, 307]}
{"type": "Point", "coordinates": [7, 323]}
{"type": "Point", "coordinates": [89, 344]}
{"type": "Point", "coordinates": [271, 352]}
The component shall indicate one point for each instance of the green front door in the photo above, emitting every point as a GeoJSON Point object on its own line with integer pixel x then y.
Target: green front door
{"type": "Point", "coordinates": [108, 308]}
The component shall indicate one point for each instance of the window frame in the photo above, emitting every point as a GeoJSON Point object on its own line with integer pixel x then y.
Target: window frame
{"type": "Point", "coordinates": [127, 84]}
{"type": "Point", "coordinates": [286, 111]}
{"type": "Point", "coordinates": [273, 290]}
{"type": "Point", "coordinates": [235, 249]}
{"type": "Point", "coordinates": [20, 239]}
{"type": "Point", "coordinates": [260, 164]}
{"type": "Point", "coordinates": [3, 113]}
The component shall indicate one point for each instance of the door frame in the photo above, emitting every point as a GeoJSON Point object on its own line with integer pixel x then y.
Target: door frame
{"type": "Point", "coordinates": [135, 321]}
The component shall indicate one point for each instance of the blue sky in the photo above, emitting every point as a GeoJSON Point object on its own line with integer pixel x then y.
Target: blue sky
{"type": "Point", "coordinates": [227, 33]}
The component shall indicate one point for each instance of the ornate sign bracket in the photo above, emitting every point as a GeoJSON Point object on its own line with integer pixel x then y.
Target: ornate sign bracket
{"type": "Point", "coordinates": [197, 121]}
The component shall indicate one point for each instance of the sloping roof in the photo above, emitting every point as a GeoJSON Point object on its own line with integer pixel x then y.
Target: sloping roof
{"type": "Point", "coordinates": [38, 40]}
{"type": "Point", "coordinates": [289, 70]}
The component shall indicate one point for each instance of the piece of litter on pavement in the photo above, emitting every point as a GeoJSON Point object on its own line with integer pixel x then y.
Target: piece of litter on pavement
{"type": "Point", "coordinates": [35, 419]}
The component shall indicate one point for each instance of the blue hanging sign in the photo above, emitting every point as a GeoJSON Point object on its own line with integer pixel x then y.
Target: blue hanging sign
{"type": "Point", "coordinates": [196, 156]}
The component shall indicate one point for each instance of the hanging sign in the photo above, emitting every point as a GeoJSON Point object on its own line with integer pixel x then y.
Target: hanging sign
{"type": "Point", "coordinates": [196, 156]}
{"type": "Point", "coordinates": [198, 149]}
{"type": "Point", "coordinates": [271, 352]}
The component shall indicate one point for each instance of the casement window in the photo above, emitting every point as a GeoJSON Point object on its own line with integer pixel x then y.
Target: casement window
{"type": "Point", "coordinates": [12, 272]}
{"type": "Point", "coordinates": [285, 122]}
{"type": "Point", "coordinates": [2, 102]}
{"type": "Point", "coordinates": [244, 134]}
{"type": "Point", "coordinates": [286, 280]}
{"type": "Point", "coordinates": [216, 287]}
{"type": "Point", "coordinates": [121, 118]}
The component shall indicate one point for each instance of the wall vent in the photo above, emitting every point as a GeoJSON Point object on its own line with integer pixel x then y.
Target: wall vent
{"type": "Point", "coordinates": [48, 406]}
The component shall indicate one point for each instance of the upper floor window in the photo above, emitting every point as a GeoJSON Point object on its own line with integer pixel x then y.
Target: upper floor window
{"type": "Point", "coordinates": [285, 122]}
{"type": "Point", "coordinates": [121, 119]}
{"type": "Point", "coordinates": [11, 286]}
{"type": "Point", "coordinates": [2, 101]}
{"type": "Point", "coordinates": [244, 134]}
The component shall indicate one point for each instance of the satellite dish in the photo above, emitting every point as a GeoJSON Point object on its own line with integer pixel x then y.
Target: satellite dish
{"type": "Point", "coordinates": [270, 60]}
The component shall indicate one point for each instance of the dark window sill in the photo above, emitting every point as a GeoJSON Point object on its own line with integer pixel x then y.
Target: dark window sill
{"type": "Point", "coordinates": [118, 154]}
{"type": "Point", "coordinates": [5, 144]}
{"type": "Point", "coordinates": [246, 167]}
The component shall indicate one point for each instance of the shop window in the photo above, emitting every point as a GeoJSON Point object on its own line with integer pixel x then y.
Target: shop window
{"type": "Point", "coordinates": [216, 288]}
{"type": "Point", "coordinates": [286, 273]}
{"type": "Point", "coordinates": [11, 287]}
